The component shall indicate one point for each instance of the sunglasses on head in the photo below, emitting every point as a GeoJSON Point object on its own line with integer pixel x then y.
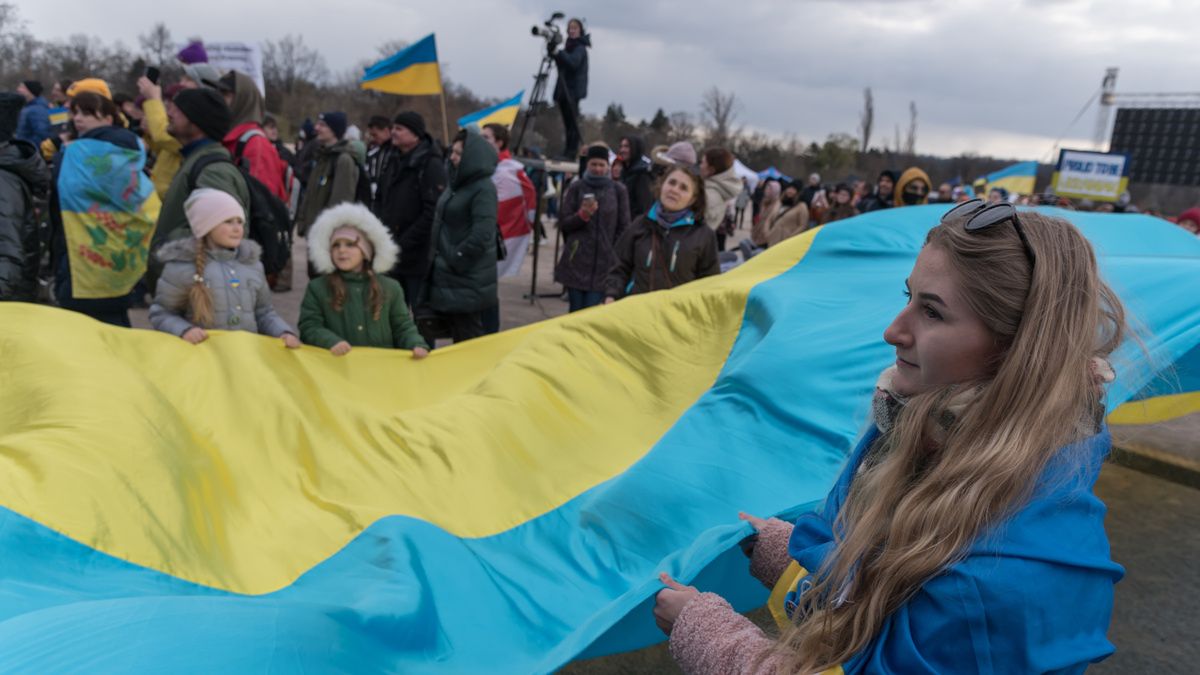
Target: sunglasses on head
{"type": "Point", "coordinates": [981, 216]}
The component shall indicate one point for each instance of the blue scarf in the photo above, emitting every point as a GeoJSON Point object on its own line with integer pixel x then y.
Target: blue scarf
{"type": "Point", "coordinates": [670, 218]}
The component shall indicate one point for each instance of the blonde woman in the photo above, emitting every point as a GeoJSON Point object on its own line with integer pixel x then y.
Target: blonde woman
{"type": "Point", "coordinates": [963, 536]}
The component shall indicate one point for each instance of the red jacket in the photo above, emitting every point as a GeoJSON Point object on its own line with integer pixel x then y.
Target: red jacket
{"type": "Point", "coordinates": [263, 160]}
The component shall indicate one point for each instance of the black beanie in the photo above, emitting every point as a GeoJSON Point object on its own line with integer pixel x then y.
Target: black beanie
{"type": "Point", "coordinates": [207, 109]}
{"type": "Point", "coordinates": [336, 121]}
{"type": "Point", "coordinates": [413, 121]}
{"type": "Point", "coordinates": [597, 152]}
{"type": "Point", "coordinates": [10, 113]}
{"type": "Point", "coordinates": [34, 87]}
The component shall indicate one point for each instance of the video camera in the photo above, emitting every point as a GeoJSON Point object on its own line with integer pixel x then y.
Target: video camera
{"type": "Point", "coordinates": [550, 32]}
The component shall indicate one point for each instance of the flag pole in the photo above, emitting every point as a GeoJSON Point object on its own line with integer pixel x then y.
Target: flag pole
{"type": "Point", "coordinates": [445, 123]}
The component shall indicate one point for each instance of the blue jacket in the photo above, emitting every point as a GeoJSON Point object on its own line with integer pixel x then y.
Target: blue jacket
{"type": "Point", "coordinates": [1032, 595]}
{"type": "Point", "coordinates": [34, 123]}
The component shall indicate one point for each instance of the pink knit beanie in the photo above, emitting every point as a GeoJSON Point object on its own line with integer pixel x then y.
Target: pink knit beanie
{"type": "Point", "coordinates": [351, 233]}
{"type": "Point", "coordinates": [207, 208]}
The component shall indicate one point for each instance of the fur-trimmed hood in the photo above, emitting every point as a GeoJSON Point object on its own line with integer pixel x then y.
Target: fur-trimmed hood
{"type": "Point", "coordinates": [184, 250]}
{"type": "Point", "coordinates": [360, 218]}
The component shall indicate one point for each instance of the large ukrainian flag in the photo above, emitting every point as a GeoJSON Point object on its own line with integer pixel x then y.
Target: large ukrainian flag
{"type": "Point", "coordinates": [502, 506]}
{"type": "Point", "coordinates": [413, 70]}
{"type": "Point", "coordinates": [502, 113]}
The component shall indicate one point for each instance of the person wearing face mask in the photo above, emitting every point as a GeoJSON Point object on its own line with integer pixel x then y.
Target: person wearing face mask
{"type": "Point", "coordinates": [912, 188]}
{"type": "Point", "coordinates": [791, 219]}
{"type": "Point", "coordinates": [670, 245]}
{"type": "Point", "coordinates": [595, 212]}
{"type": "Point", "coordinates": [882, 197]}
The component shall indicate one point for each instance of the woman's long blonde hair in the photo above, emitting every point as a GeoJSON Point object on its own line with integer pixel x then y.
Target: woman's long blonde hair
{"type": "Point", "coordinates": [934, 490]}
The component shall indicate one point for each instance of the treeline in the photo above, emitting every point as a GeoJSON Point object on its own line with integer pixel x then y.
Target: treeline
{"type": "Point", "coordinates": [300, 84]}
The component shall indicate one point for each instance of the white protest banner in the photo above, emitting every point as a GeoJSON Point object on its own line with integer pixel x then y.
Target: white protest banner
{"type": "Point", "coordinates": [1101, 176]}
{"type": "Point", "coordinates": [239, 56]}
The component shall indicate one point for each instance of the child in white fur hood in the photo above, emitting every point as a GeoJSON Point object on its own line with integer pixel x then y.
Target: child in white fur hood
{"type": "Point", "coordinates": [354, 303]}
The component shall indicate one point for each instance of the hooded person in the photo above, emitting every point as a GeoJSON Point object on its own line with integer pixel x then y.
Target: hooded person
{"type": "Point", "coordinates": [770, 206]}
{"type": "Point", "coordinates": [247, 142]}
{"type": "Point", "coordinates": [409, 187]}
{"type": "Point", "coordinates": [354, 303]}
{"type": "Point", "coordinates": [912, 188]}
{"type": "Point", "coordinates": [334, 177]}
{"type": "Point", "coordinates": [462, 278]}
{"type": "Point", "coordinates": [882, 197]}
{"type": "Point", "coordinates": [722, 186]}
{"type": "Point", "coordinates": [635, 175]}
{"type": "Point", "coordinates": [23, 178]}
{"type": "Point", "coordinates": [572, 84]}
{"type": "Point", "coordinates": [198, 119]}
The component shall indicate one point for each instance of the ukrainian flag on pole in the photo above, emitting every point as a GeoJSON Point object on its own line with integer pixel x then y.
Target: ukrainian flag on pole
{"type": "Point", "coordinates": [412, 70]}
{"type": "Point", "coordinates": [1017, 179]}
{"type": "Point", "coordinates": [502, 113]}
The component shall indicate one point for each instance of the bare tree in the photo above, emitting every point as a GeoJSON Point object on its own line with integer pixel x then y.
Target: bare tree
{"type": "Point", "coordinates": [719, 111]}
{"type": "Point", "coordinates": [898, 146]}
{"type": "Point", "coordinates": [682, 127]}
{"type": "Point", "coordinates": [288, 63]}
{"type": "Point", "coordinates": [157, 44]}
{"type": "Point", "coordinates": [910, 143]}
{"type": "Point", "coordinates": [866, 121]}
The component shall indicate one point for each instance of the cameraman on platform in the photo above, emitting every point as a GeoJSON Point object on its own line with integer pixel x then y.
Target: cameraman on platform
{"type": "Point", "coordinates": [571, 88]}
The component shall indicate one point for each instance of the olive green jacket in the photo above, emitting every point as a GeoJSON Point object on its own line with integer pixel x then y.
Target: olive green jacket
{"type": "Point", "coordinates": [223, 176]}
{"type": "Point", "coordinates": [323, 326]}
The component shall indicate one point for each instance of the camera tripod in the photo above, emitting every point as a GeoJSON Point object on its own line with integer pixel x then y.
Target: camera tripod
{"type": "Point", "coordinates": [537, 103]}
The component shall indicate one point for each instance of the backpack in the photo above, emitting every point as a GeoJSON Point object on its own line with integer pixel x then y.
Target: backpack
{"type": "Point", "coordinates": [269, 223]}
{"type": "Point", "coordinates": [362, 189]}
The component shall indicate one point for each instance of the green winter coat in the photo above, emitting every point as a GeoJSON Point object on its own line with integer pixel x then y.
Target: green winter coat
{"type": "Point", "coordinates": [223, 176]}
{"type": "Point", "coordinates": [334, 179]}
{"type": "Point", "coordinates": [463, 275]}
{"type": "Point", "coordinates": [322, 326]}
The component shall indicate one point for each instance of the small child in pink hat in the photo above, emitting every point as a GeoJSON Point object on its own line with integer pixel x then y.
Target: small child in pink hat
{"type": "Point", "coordinates": [215, 278]}
{"type": "Point", "coordinates": [354, 303]}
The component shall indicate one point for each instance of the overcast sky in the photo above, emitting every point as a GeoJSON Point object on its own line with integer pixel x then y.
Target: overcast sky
{"type": "Point", "coordinates": [999, 77]}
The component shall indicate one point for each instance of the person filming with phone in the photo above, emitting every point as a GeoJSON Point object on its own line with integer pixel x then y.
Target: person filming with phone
{"type": "Point", "coordinates": [595, 212]}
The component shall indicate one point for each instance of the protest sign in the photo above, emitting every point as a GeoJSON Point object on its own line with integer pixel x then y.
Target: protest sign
{"type": "Point", "coordinates": [239, 56]}
{"type": "Point", "coordinates": [1091, 175]}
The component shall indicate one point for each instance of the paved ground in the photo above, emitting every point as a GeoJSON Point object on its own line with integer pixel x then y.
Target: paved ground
{"type": "Point", "coordinates": [1153, 524]}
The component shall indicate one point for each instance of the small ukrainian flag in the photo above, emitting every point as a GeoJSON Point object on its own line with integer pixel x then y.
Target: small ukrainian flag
{"type": "Point", "coordinates": [412, 70]}
{"type": "Point", "coordinates": [1017, 179]}
{"type": "Point", "coordinates": [502, 113]}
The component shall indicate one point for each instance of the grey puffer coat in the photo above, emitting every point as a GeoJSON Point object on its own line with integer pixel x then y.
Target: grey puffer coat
{"type": "Point", "coordinates": [241, 297]}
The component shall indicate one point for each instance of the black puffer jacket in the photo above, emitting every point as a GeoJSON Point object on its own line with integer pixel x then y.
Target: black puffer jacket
{"type": "Point", "coordinates": [636, 178]}
{"type": "Point", "coordinates": [572, 62]}
{"type": "Point", "coordinates": [23, 176]}
{"type": "Point", "coordinates": [408, 192]}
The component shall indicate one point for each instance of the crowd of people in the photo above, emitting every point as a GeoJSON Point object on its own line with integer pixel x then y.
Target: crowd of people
{"type": "Point", "coordinates": [185, 194]}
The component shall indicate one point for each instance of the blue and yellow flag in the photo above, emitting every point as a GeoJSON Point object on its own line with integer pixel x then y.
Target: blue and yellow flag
{"type": "Point", "coordinates": [109, 210]}
{"type": "Point", "coordinates": [502, 113]}
{"type": "Point", "coordinates": [412, 70]}
{"type": "Point", "coordinates": [1017, 179]}
{"type": "Point", "coordinates": [502, 506]}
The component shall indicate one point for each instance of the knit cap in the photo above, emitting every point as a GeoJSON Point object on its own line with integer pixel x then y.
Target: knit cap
{"type": "Point", "coordinates": [207, 110]}
{"type": "Point", "coordinates": [412, 121]}
{"type": "Point", "coordinates": [34, 87]}
{"type": "Point", "coordinates": [679, 154]}
{"type": "Point", "coordinates": [92, 84]}
{"type": "Point", "coordinates": [351, 233]}
{"type": "Point", "coordinates": [207, 208]}
{"type": "Point", "coordinates": [336, 121]}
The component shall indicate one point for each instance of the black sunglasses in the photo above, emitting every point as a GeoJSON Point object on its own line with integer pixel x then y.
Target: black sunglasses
{"type": "Point", "coordinates": [983, 216]}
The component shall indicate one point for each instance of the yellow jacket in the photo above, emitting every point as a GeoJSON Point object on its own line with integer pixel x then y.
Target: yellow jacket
{"type": "Point", "coordinates": [164, 146]}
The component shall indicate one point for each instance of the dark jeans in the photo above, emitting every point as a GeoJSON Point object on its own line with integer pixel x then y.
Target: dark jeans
{"type": "Point", "coordinates": [579, 299]}
{"type": "Point", "coordinates": [570, 117]}
{"type": "Point", "coordinates": [461, 327]}
{"type": "Point", "coordinates": [491, 320]}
